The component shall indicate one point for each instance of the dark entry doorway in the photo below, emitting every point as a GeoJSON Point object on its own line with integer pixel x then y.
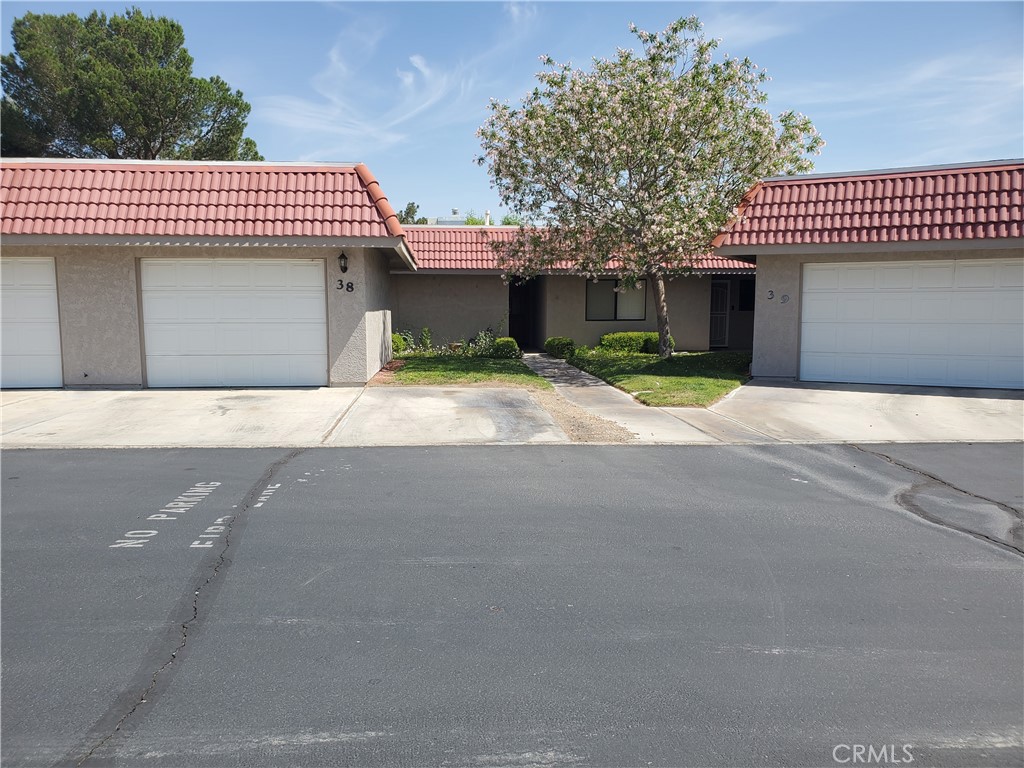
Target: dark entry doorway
{"type": "Point", "coordinates": [523, 305]}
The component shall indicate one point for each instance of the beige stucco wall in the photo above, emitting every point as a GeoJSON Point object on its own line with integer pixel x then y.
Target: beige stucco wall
{"type": "Point", "coordinates": [453, 307]}
{"type": "Point", "coordinates": [377, 313]}
{"type": "Point", "coordinates": [98, 295]}
{"type": "Point", "coordinates": [777, 324]}
{"type": "Point", "coordinates": [564, 312]}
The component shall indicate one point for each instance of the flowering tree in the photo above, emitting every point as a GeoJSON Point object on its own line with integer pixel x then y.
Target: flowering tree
{"type": "Point", "coordinates": [635, 166]}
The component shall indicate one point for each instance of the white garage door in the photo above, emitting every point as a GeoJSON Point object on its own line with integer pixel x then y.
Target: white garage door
{"type": "Point", "coordinates": [30, 343]}
{"type": "Point", "coordinates": [234, 322]}
{"type": "Point", "coordinates": [944, 323]}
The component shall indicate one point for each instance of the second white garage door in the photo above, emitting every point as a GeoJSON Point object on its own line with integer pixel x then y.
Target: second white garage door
{"type": "Point", "coordinates": [943, 323]}
{"type": "Point", "coordinates": [234, 322]}
{"type": "Point", "coordinates": [30, 338]}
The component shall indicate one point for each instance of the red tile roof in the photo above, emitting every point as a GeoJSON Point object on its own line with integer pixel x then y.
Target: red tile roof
{"type": "Point", "coordinates": [468, 248]}
{"type": "Point", "coordinates": [111, 198]}
{"type": "Point", "coordinates": [952, 203]}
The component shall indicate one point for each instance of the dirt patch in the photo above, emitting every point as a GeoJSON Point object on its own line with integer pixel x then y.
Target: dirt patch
{"type": "Point", "coordinates": [580, 425]}
{"type": "Point", "coordinates": [386, 375]}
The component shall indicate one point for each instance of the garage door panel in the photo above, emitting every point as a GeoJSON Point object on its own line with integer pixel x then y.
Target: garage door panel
{"type": "Point", "coordinates": [231, 273]}
{"type": "Point", "coordinates": [198, 273]}
{"type": "Point", "coordinates": [894, 307]}
{"type": "Point", "coordinates": [852, 366]}
{"type": "Point", "coordinates": [1007, 307]}
{"type": "Point", "coordinates": [857, 278]}
{"type": "Point", "coordinates": [819, 366]}
{"type": "Point", "coordinates": [980, 275]}
{"type": "Point", "coordinates": [855, 338]}
{"type": "Point", "coordinates": [1011, 275]}
{"type": "Point", "coordinates": [960, 323]}
{"type": "Point", "coordinates": [1007, 338]}
{"type": "Point", "coordinates": [820, 308]}
{"type": "Point", "coordinates": [819, 337]}
{"type": "Point", "coordinates": [934, 275]}
{"type": "Point", "coordinates": [890, 340]}
{"type": "Point", "coordinates": [238, 306]}
{"type": "Point", "coordinates": [972, 307]}
{"type": "Point", "coordinates": [931, 308]}
{"type": "Point", "coordinates": [928, 370]}
{"type": "Point", "coordinates": [28, 371]}
{"type": "Point", "coordinates": [30, 305]}
{"type": "Point", "coordinates": [857, 308]}
{"type": "Point", "coordinates": [930, 339]}
{"type": "Point", "coordinates": [892, 368]}
{"type": "Point", "coordinates": [824, 278]}
{"type": "Point", "coordinates": [251, 323]}
{"type": "Point", "coordinates": [307, 275]}
{"type": "Point", "coordinates": [896, 277]}
{"type": "Point", "coordinates": [30, 354]}
{"type": "Point", "coordinates": [1006, 372]}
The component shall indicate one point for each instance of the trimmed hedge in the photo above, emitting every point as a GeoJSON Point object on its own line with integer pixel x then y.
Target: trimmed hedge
{"type": "Point", "coordinates": [398, 345]}
{"type": "Point", "coordinates": [560, 346]}
{"type": "Point", "coordinates": [645, 342]}
{"type": "Point", "coordinates": [505, 347]}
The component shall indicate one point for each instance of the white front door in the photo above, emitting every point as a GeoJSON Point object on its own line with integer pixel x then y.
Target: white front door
{"type": "Point", "coordinates": [30, 343]}
{"type": "Point", "coordinates": [234, 322]}
{"type": "Point", "coordinates": [945, 323]}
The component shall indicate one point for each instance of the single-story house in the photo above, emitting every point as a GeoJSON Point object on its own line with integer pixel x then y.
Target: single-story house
{"type": "Point", "coordinates": [907, 276]}
{"type": "Point", "coordinates": [176, 274]}
{"type": "Point", "coordinates": [457, 290]}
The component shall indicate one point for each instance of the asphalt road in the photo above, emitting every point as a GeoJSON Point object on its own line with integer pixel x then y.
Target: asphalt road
{"type": "Point", "coordinates": [505, 606]}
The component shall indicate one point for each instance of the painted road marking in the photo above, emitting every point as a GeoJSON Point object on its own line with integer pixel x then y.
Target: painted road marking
{"type": "Point", "coordinates": [172, 510]}
{"type": "Point", "coordinates": [267, 493]}
{"type": "Point", "coordinates": [207, 538]}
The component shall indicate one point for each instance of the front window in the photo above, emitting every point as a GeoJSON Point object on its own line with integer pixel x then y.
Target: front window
{"type": "Point", "coordinates": [604, 302]}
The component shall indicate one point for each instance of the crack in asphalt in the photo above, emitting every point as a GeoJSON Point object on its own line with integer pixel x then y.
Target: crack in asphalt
{"type": "Point", "coordinates": [905, 500]}
{"type": "Point", "coordinates": [253, 494]}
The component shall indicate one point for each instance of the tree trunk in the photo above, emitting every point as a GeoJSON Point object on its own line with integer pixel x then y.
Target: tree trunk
{"type": "Point", "coordinates": [661, 308]}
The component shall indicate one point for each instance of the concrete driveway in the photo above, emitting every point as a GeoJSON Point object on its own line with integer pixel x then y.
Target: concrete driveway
{"type": "Point", "coordinates": [378, 416]}
{"type": "Point", "coordinates": [799, 412]}
{"type": "Point", "coordinates": [253, 418]}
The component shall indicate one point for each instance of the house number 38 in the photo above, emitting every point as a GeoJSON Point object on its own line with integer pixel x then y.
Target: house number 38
{"type": "Point", "coordinates": [346, 287]}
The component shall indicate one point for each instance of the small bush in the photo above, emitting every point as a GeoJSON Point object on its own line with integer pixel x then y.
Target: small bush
{"type": "Point", "coordinates": [506, 348]}
{"type": "Point", "coordinates": [637, 342]}
{"type": "Point", "coordinates": [398, 345]}
{"type": "Point", "coordinates": [425, 340]}
{"type": "Point", "coordinates": [560, 346]}
{"type": "Point", "coordinates": [482, 344]}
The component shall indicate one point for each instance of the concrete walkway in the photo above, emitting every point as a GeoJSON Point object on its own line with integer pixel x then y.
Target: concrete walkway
{"type": "Point", "coordinates": [650, 425]}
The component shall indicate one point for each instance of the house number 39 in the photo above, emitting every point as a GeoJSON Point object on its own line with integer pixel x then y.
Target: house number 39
{"type": "Point", "coordinates": [346, 287]}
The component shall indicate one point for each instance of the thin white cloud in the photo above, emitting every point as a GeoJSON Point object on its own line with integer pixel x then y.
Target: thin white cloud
{"type": "Point", "coordinates": [741, 30]}
{"type": "Point", "coordinates": [961, 105]}
{"type": "Point", "coordinates": [359, 107]}
{"type": "Point", "coordinates": [520, 12]}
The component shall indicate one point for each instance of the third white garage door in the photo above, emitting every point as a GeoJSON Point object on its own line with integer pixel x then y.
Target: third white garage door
{"type": "Point", "coordinates": [956, 323]}
{"type": "Point", "coordinates": [234, 322]}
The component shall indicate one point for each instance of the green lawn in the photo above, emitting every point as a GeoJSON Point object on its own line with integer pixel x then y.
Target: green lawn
{"type": "Point", "coordinates": [440, 370]}
{"type": "Point", "coordinates": [697, 378]}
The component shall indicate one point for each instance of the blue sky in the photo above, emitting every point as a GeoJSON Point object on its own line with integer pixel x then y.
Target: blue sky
{"type": "Point", "coordinates": [404, 86]}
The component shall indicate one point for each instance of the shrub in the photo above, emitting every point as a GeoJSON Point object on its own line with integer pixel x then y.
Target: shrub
{"type": "Point", "coordinates": [482, 344]}
{"type": "Point", "coordinates": [559, 346]}
{"type": "Point", "coordinates": [425, 341]}
{"type": "Point", "coordinates": [634, 341]}
{"type": "Point", "coordinates": [506, 347]}
{"type": "Point", "coordinates": [398, 345]}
